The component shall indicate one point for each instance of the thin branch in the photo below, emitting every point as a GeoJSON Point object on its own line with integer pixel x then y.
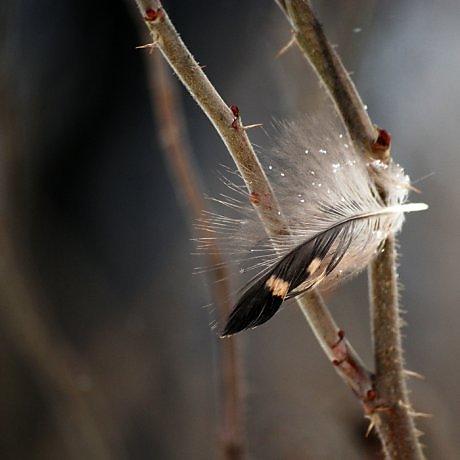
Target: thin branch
{"type": "Point", "coordinates": [176, 146]}
{"type": "Point", "coordinates": [393, 420]}
{"type": "Point", "coordinates": [396, 425]}
{"type": "Point", "coordinates": [337, 348]}
{"type": "Point", "coordinates": [228, 124]}
{"type": "Point", "coordinates": [325, 61]}
{"type": "Point", "coordinates": [225, 120]}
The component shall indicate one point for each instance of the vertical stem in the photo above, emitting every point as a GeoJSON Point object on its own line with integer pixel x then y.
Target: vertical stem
{"type": "Point", "coordinates": [394, 420]}
{"type": "Point", "coordinates": [325, 61]}
{"type": "Point", "coordinates": [396, 427]}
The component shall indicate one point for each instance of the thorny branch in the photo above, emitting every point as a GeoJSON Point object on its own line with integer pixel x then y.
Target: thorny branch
{"type": "Point", "coordinates": [325, 61]}
{"type": "Point", "coordinates": [394, 424]}
{"type": "Point", "coordinates": [225, 120]}
{"type": "Point", "coordinates": [228, 124]}
{"type": "Point", "coordinates": [176, 146]}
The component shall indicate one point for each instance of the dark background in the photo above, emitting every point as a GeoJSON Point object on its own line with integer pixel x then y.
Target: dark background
{"type": "Point", "coordinates": [98, 248]}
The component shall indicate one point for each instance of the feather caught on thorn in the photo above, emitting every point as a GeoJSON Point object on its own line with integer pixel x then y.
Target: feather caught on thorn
{"type": "Point", "coordinates": [336, 217]}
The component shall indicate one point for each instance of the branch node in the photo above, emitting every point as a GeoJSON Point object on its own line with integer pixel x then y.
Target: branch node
{"type": "Point", "coordinates": [382, 145]}
{"type": "Point", "coordinates": [154, 16]}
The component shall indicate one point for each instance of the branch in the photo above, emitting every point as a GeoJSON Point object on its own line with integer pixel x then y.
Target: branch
{"type": "Point", "coordinates": [228, 124]}
{"type": "Point", "coordinates": [393, 419]}
{"type": "Point", "coordinates": [177, 151]}
{"type": "Point", "coordinates": [396, 425]}
{"type": "Point", "coordinates": [225, 120]}
{"type": "Point", "coordinates": [325, 61]}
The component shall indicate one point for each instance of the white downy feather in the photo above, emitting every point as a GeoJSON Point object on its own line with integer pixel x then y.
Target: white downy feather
{"type": "Point", "coordinates": [320, 183]}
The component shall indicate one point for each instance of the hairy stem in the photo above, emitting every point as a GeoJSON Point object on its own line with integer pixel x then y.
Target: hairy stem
{"type": "Point", "coordinates": [395, 425]}
{"type": "Point", "coordinates": [315, 46]}
{"type": "Point", "coordinates": [172, 129]}
{"type": "Point", "coordinates": [229, 126]}
{"type": "Point", "coordinates": [225, 122]}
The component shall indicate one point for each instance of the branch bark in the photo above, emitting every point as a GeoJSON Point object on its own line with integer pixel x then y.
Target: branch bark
{"type": "Point", "coordinates": [393, 413]}
{"type": "Point", "coordinates": [316, 48]}
{"type": "Point", "coordinates": [396, 425]}
{"type": "Point", "coordinates": [230, 128]}
{"type": "Point", "coordinates": [172, 130]}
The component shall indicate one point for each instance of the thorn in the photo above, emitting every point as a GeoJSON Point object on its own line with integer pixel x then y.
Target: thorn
{"type": "Point", "coordinates": [420, 414]}
{"type": "Point", "coordinates": [411, 411]}
{"type": "Point", "coordinates": [418, 432]}
{"type": "Point", "coordinates": [256, 125]}
{"type": "Point", "coordinates": [402, 404]}
{"type": "Point", "coordinates": [286, 47]}
{"type": "Point", "coordinates": [373, 420]}
{"type": "Point", "coordinates": [413, 374]}
{"type": "Point", "coordinates": [413, 189]}
{"type": "Point", "coordinates": [149, 46]}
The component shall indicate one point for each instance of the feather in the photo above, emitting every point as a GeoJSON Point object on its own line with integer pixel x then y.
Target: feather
{"type": "Point", "coordinates": [336, 216]}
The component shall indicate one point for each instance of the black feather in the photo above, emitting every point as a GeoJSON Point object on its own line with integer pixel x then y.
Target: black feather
{"type": "Point", "coordinates": [258, 303]}
{"type": "Point", "coordinates": [256, 306]}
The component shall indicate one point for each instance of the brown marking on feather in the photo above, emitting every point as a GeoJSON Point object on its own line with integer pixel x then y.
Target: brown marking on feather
{"type": "Point", "coordinates": [314, 265]}
{"type": "Point", "coordinates": [277, 286]}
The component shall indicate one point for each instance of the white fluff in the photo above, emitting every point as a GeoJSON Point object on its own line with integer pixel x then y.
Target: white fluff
{"type": "Point", "coordinates": [320, 182]}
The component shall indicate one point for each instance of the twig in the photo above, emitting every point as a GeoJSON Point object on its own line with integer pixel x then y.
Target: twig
{"type": "Point", "coordinates": [337, 348]}
{"type": "Point", "coordinates": [176, 146]}
{"type": "Point", "coordinates": [325, 61]}
{"type": "Point", "coordinates": [395, 424]}
{"type": "Point", "coordinates": [227, 122]}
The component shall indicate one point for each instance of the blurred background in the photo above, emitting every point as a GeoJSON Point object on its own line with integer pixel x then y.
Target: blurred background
{"type": "Point", "coordinates": [106, 351]}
